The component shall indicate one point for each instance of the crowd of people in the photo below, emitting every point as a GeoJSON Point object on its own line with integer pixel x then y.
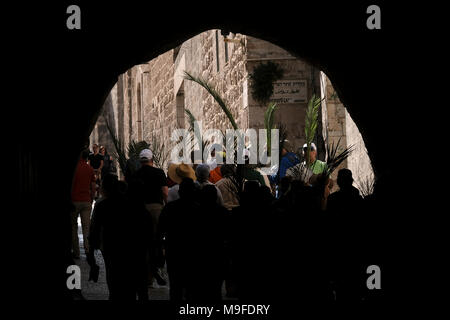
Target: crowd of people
{"type": "Point", "coordinates": [211, 232]}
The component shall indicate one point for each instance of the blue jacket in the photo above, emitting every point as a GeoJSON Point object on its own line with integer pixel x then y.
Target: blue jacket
{"type": "Point", "coordinates": [290, 159]}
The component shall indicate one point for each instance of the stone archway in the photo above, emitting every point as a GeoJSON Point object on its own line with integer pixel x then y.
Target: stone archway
{"type": "Point", "coordinates": [165, 96]}
{"type": "Point", "coordinates": [82, 68]}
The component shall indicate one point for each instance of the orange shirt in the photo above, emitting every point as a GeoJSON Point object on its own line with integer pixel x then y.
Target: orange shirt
{"type": "Point", "coordinates": [82, 181]}
{"type": "Point", "coordinates": [215, 175]}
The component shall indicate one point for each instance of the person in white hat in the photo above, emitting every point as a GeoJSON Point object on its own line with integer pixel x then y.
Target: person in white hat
{"type": "Point", "coordinates": [316, 165]}
{"type": "Point", "coordinates": [152, 185]}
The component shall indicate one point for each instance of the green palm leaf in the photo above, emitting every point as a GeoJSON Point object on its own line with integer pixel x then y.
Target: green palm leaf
{"type": "Point", "coordinates": [268, 124]}
{"type": "Point", "coordinates": [311, 122]}
{"type": "Point", "coordinates": [192, 123]}
{"type": "Point", "coordinates": [119, 153]}
{"type": "Point", "coordinates": [215, 95]}
{"type": "Point", "coordinates": [335, 158]}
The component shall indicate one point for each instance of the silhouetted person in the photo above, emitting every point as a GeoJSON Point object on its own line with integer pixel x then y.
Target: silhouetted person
{"type": "Point", "coordinates": [120, 229]}
{"type": "Point", "coordinates": [251, 243]}
{"type": "Point", "coordinates": [227, 187]}
{"type": "Point", "coordinates": [108, 164]}
{"type": "Point", "coordinates": [208, 233]}
{"type": "Point", "coordinates": [345, 217]}
{"type": "Point", "coordinates": [133, 163]}
{"type": "Point", "coordinates": [347, 198]}
{"type": "Point", "coordinates": [202, 172]}
{"type": "Point", "coordinates": [302, 246]}
{"type": "Point", "coordinates": [95, 160]}
{"type": "Point", "coordinates": [176, 226]}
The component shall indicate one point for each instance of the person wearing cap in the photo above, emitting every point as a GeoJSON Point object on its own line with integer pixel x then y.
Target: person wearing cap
{"type": "Point", "coordinates": [315, 168]}
{"type": "Point", "coordinates": [176, 173]}
{"type": "Point", "coordinates": [288, 160]}
{"type": "Point", "coordinates": [151, 184]}
{"type": "Point", "coordinates": [133, 164]}
{"type": "Point", "coordinates": [316, 165]}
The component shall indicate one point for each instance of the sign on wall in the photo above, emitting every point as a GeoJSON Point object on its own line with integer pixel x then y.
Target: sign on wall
{"type": "Point", "coordinates": [289, 91]}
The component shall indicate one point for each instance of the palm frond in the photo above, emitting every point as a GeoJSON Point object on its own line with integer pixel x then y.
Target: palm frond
{"type": "Point", "coordinates": [192, 128]}
{"type": "Point", "coordinates": [160, 153]}
{"type": "Point", "coordinates": [311, 122]}
{"type": "Point", "coordinates": [335, 158]}
{"type": "Point", "coordinates": [300, 172]}
{"type": "Point", "coordinates": [215, 95]}
{"type": "Point", "coordinates": [283, 133]}
{"type": "Point", "coordinates": [311, 119]}
{"type": "Point", "coordinates": [268, 124]}
{"type": "Point", "coordinates": [134, 148]}
{"type": "Point", "coordinates": [119, 152]}
{"type": "Point", "coordinates": [366, 186]}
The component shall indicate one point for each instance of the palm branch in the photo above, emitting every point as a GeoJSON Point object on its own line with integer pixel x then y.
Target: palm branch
{"type": "Point", "coordinates": [283, 133]}
{"type": "Point", "coordinates": [215, 95]}
{"type": "Point", "coordinates": [366, 186]}
{"type": "Point", "coordinates": [192, 126]}
{"type": "Point", "coordinates": [119, 152]}
{"type": "Point", "coordinates": [268, 124]}
{"type": "Point", "coordinates": [335, 158]}
{"type": "Point", "coordinates": [311, 122]}
{"type": "Point", "coordinates": [300, 172]}
{"type": "Point", "coordinates": [134, 148]}
{"type": "Point", "coordinates": [160, 153]}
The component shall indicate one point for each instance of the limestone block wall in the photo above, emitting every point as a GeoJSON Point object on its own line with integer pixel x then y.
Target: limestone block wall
{"type": "Point", "coordinates": [359, 161]}
{"type": "Point", "coordinates": [337, 126]}
{"type": "Point", "coordinates": [291, 115]}
{"type": "Point", "coordinates": [159, 117]}
{"type": "Point", "coordinates": [222, 65]}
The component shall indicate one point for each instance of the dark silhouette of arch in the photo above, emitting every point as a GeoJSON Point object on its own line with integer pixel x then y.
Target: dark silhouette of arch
{"type": "Point", "coordinates": [79, 68]}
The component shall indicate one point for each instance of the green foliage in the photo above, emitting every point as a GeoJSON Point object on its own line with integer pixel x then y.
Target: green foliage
{"type": "Point", "coordinates": [160, 153]}
{"type": "Point", "coordinates": [119, 152]}
{"type": "Point", "coordinates": [262, 79]}
{"type": "Point", "coordinates": [192, 123]}
{"type": "Point", "coordinates": [335, 158]}
{"type": "Point", "coordinates": [311, 122]}
{"type": "Point", "coordinates": [283, 133]}
{"type": "Point", "coordinates": [268, 124]}
{"type": "Point", "coordinates": [215, 95]}
{"type": "Point", "coordinates": [134, 148]}
{"type": "Point", "coordinates": [366, 186]}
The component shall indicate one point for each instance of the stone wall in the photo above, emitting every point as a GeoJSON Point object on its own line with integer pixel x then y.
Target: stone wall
{"type": "Point", "coordinates": [149, 100]}
{"type": "Point", "coordinates": [338, 126]}
{"type": "Point", "coordinates": [222, 65]}
{"type": "Point", "coordinates": [291, 115]}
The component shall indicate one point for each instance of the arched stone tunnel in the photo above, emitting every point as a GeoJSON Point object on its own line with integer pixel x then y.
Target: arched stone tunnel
{"type": "Point", "coordinates": [75, 70]}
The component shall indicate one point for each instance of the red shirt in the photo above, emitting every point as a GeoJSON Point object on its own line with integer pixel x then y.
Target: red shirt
{"type": "Point", "coordinates": [215, 175]}
{"type": "Point", "coordinates": [82, 181]}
